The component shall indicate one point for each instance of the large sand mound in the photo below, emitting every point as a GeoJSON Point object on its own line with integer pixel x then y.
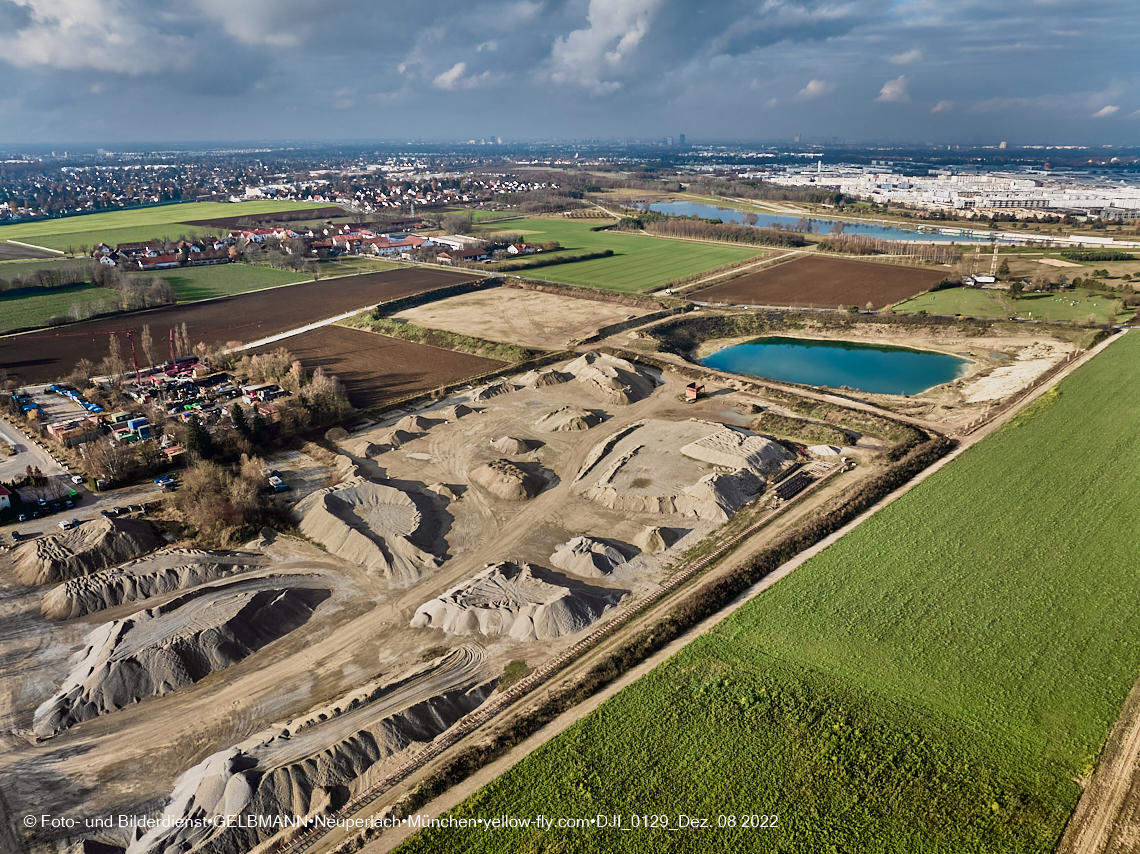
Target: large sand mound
{"type": "Point", "coordinates": [567, 419]}
{"type": "Point", "coordinates": [455, 412]}
{"type": "Point", "coordinates": [507, 480]}
{"type": "Point", "coordinates": [307, 766]}
{"type": "Point", "coordinates": [730, 449]}
{"type": "Point", "coordinates": [89, 548]}
{"type": "Point", "coordinates": [641, 470]}
{"type": "Point", "coordinates": [522, 601]}
{"type": "Point", "coordinates": [588, 557]}
{"type": "Point", "coordinates": [543, 379]}
{"type": "Point", "coordinates": [610, 379]}
{"type": "Point", "coordinates": [371, 525]}
{"type": "Point", "coordinates": [169, 647]}
{"type": "Point", "coordinates": [153, 575]}
{"type": "Point", "coordinates": [415, 424]}
{"type": "Point", "coordinates": [512, 446]}
{"type": "Point", "coordinates": [654, 540]}
{"type": "Point", "coordinates": [493, 390]}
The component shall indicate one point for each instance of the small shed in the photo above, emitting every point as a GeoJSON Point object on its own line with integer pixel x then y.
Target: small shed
{"type": "Point", "coordinates": [694, 390]}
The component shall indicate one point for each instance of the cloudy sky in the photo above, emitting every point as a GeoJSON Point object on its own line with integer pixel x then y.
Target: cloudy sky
{"type": "Point", "coordinates": [962, 71]}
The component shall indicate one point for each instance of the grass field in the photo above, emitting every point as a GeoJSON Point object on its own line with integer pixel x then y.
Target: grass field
{"type": "Point", "coordinates": [1074, 305]}
{"type": "Point", "coordinates": [11, 269]}
{"type": "Point", "coordinates": [143, 224]}
{"type": "Point", "coordinates": [195, 283]}
{"type": "Point", "coordinates": [933, 682]}
{"type": "Point", "coordinates": [21, 311]}
{"type": "Point", "coordinates": [639, 262]}
{"type": "Point", "coordinates": [350, 266]}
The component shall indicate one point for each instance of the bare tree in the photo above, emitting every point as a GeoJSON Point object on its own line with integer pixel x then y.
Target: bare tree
{"type": "Point", "coordinates": [146, 341]}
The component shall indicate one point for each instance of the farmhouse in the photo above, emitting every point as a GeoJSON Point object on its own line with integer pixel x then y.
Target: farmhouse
{"type": "Point", "coordinates": [159, 262]}
{"type": "Point", "coordinates": [462, 255]}
{"type": "Point", "coordinates": [5, 497]}
{"type": "Point", "coordinates": [521, 249]}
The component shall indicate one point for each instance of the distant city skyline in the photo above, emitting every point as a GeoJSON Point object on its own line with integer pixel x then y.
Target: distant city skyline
{"type": "Point", "coordinates": [906, 71]}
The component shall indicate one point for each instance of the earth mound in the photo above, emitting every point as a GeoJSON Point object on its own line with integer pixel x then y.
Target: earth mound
{"type": "Point", "coordinates": [453, 413]}
{"type": "Point", "coordinates": [507, 480]}
{"type": "Point", "coordinates": [543, 379]}
{"type": "Point", "coordinates": [587, 557]}
{"type": "Point", "coordinates": [153, 575]}
{"type": "Point", "coordinates": [492, 390]}
{"type": "Point", "coordinates": [731, 449]}
{"type": "Point", "coordinates": [519, 600]}
{"type": "Point", "coordinates": [415, 424]}
{"type": "Point", "coordinates": [654, 540]}
{"type": "Point", "coordinates": [307, 765]}
{"type": "Point", "coordinates": [511, 445]}
{"type": "Point", "coordinates": [371, 525]}
{"type": "Point", "coordinates": [610, 379]}
{"type": "Point", "coordinates": [169, 647]}
{"type": "Point", "coordinates": [568, 419]}
{"type": "Point", "coordinates": [81, 551]}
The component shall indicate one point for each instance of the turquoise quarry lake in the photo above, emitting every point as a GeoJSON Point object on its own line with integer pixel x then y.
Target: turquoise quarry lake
{"type": "Point", "coordinates": [866, 367]}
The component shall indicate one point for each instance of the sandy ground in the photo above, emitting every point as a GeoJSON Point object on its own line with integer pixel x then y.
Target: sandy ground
{"type": "Point", "coordinates": [530, 318]}
{"type": "Point", "coordinates": [1056, 262]}
{"type": "Point", "coordinates": [127, 760]}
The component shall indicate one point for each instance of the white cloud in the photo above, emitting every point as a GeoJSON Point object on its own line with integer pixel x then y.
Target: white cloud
{"type": "Point", "coordinates": [1105, 111]}
{"type": "Point", "coordinates": [907, 57]}
{"type": "Point", "coordinates": [94, 35]}
{"type": "Point", "coordinates": [453, 79]}
{"type": "Point", "coordinates": [943, 107]}
{"type": "Point", "coordinates": [894, 90]}
{"type": "Point", "coordinates": [588, 56]}
{"type": "Point", "coordinates": [815, 89]}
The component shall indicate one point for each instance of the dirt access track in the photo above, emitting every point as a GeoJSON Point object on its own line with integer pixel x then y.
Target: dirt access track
{"type": "Point", "coordinates": [377, 369]}
{"type": "Point", "coordinates": [825, 283]}
{"type": "Point", "coordinates": [45, 356]}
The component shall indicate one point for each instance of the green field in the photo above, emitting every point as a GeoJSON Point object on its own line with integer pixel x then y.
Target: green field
{"type": "Point", "coordinates": [933, 682]}
{"type": "Point", "coordinates": [195, 283]}
{"type": "Point", "coordinates": [32, 311]}
{"type": "Point", "coordinates": [639, 262]}
{"type": "Point", "coordinates": [1075, 305]}
{"type": "Point", "coordinates": [115, 227]}
{"type": "Point", "coordinates": [348, 265]}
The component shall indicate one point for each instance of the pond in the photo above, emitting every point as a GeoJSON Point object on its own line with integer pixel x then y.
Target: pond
{"type": "Point", "coordinates": [823, 226]}
{"type": "Point", "coordinates": [875, 368]}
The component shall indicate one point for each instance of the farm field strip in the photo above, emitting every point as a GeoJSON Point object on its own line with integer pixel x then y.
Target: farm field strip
{"type": "Point", "coordinates": [639, 262]}
{"type": "Point", "coordinates": [37, 357]}
{"type": "Point", "coordinates": [153, 218]}
{"type": "Point", "coordinates": [825, 283]}
{"type": "Point", "coordinates": [377, 369]}
{"type": "Point", "coordinates": [1073, 305]}
{"type": "Point", "coordinates": [927, 683]}
{"type": "Point", "coordinates": [27, 311]}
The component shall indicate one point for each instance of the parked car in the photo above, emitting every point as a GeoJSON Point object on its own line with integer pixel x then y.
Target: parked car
{"type": "Point", "coordinates": [65, 525]}
{"type": "Point", "coordinates": [75, 478]}
{"type": "Point", "coordinates": [17, 536]}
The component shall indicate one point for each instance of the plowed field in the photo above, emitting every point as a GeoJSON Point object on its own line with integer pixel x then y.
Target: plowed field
{"type": "Point", "coordinates": [46, 356]}
{"type": "Point", "coordinates": [825, 283]}
{"type": "Point", "coordinates": [377, 369]}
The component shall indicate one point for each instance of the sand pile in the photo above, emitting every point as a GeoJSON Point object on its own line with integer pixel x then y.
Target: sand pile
{"type": "Point", "coordinates": [522, 601]}
{"type": "Point", "coordinates": [654, 540]}
{"type": "Point", "coordinates": [543, 379]}
{"type": "Point", "coordinates": [162, 572]}
{"type": "Point", "coordinates": [89, 548]}
{"type": "Point", "coordinates": [507, 480]}
{"type": "Point", "coordinates": [169, 647]}
{"type": "Point", "coordinates": [588, 557]}
{"type": "Point", "coordinates": [641, 471]}
{"type": "Point", "coordinates": [314, 764]}
{"type": "Point", "coordinates": [395, 438]}
{"type": "Point", "coordinates": [492, 390]}
{"type": "Point", "coordinates": [610, 379]}
{"type": "Point", "coordinates": [415, 424]}
{"type": "Point", "coordinates": [825, 450]}
{"type": "Point", "coordinates": [454, 413]}
{"type": "Point", "coordinates": [730, 449]}
{"type": "Point", "coordinates": [511, 445]}
{"type": "Point", "coordinates": [568, 419]}
{"type": "Point", "coordinates": [369, 524]}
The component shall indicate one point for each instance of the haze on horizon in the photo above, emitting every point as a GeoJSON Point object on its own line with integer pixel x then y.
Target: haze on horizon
{"type": "Point", "coordinates": [941, 71]}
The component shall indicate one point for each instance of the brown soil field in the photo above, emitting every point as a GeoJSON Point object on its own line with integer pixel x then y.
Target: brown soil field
{"type": "Point", "coordinates": [530, 318]}
{"type": "Point", "coordinates": [825, 283]}
{"type": "Point", "coordinates": [377, 369]}
{"type": "Point", "coordinates": [234, 222]}
{"type": "Point", "coordinates": [13, 252]}
{"type": "Point", "coordinates": [48, 355]}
